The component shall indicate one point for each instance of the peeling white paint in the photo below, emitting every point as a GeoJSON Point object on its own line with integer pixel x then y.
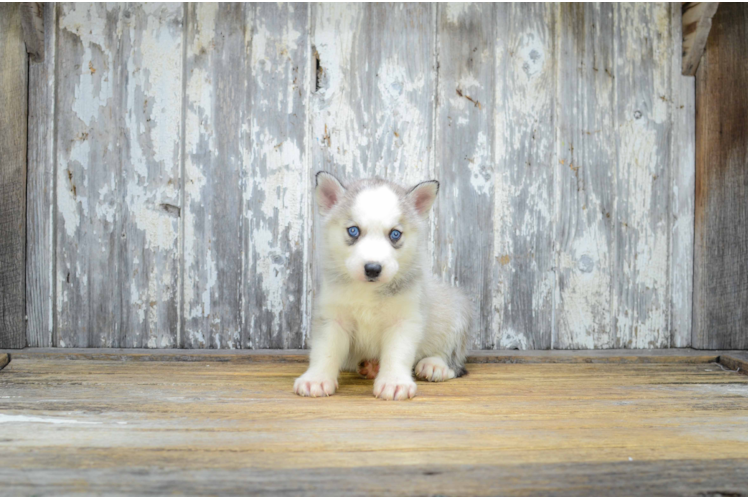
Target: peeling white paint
{"type": "Point", "coordinates": [282, 186]}
{"type": "Point", "coordinates": [455, 12]}
{"type": "Point", "coordinates": [67, 203]}
{"type": "Point", "coordinates": [161, 52]}
{"type": "Point", "coordinates": [204, 26]}
{"type": "Point", "coordinates": [481, 169]}
{"type": "Point", "coordinates": [159, 227]}
{"type": "Point", "coordinates": [334, 124]}
{"type": "Point", "coordinates": [613, 278]}
{"type": "Point", "coordinates": [89, 24]}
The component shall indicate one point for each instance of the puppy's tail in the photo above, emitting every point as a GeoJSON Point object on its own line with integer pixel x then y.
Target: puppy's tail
{"type": "Point", "coordinates": [463, 324]}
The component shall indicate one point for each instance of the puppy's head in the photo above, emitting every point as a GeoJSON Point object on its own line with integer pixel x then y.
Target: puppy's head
{"type": "Point", "coordinates": [372, 228]}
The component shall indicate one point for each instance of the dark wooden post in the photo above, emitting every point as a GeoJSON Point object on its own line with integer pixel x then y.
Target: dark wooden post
{"type": "Point", "coordinates": [720, 294]}
{"type": "Point", "coordinates": [13, 118]}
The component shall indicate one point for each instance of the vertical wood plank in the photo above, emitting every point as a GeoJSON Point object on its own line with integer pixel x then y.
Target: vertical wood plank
{"type": "Point", "coordinates": [682, 172]}
{"type": "Point", "coordinates": [464, 157]}
{"type": "Point", "coordinates": [40, 282]}
{"type": "Point", "coordinates": [720, 294]}
{"type": "Point", "coordinates": [524, 145]}
{"type": "Point", "coordinates": [119, 82]}
{"type": "Point", "coordinates": [216, 127]}
{"type": "Point", "coordinates": [276, 188]}
{"type": "Point", "coordinates": [643, 92]}
{"type": "Point", "coordinates": [13, 127]}
{"type": "Point", "coordinates": [87, 260]}
{"type": "Point", "coordinates": [151, 47]}
{"type": "Point", "coordinates": [585, 174]}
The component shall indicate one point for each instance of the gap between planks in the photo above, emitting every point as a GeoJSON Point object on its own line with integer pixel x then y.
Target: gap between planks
{"type": "Point", "coordinates": [733, 360]}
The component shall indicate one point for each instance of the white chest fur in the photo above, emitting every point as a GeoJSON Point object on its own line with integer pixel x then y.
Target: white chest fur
{"type": "Point", "coordinates": [367, 315]}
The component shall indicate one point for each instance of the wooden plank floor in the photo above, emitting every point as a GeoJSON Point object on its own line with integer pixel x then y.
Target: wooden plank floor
{"type": "Point", "coordinates": [82, 427]}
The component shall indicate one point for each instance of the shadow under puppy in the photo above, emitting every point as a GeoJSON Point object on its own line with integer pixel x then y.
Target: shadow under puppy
{"type": "Point", "coordinates": [379, 310]}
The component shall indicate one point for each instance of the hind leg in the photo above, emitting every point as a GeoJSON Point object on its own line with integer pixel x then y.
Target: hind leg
{"type": "Point", "coordinates": [368, 368]}
{"type": "Point", "coordinates": [434, 369]}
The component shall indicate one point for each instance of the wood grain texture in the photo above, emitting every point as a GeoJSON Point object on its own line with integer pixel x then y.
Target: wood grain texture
{"type": "Point", "coordinates": [277, 179]}
{"type": "Point", "coordinates": [585, 173]}
{"type": "Point", "coordinates": [40, 203]}
{"type": "Point", "coordinates": [464, 157]}
{"type": "Point", "coordinates": [32, 22]}
{"type": "Point", "coordinates": [88, 199]}
{"type": "Point", "coordinates": [682, 188]}
{"type": "Point", "coordinates": [696, 23]}
{"type": "Point", "coordinates": [246, 194]}
{"type": "Point", "coordinates": [523, 177]}
{"type": "Point", "coordinates": [217, 43]}
{"type": "Point", "coordinates": [13, 127]}
{"type": "Point", "coordinates": [720, 295]}
{"type": "Point", "coordinates": [89, 229]}
{"type": "Point", "coordinates": [151, 47]}
{"type": "Point", "coordinates": [117, 229]}
{"type": "Point", "coordinates": [594, 429]}
{"type": "Point", "coordinates": [689, 478]}
{"type": "Point", "coordinates": [640, 285]}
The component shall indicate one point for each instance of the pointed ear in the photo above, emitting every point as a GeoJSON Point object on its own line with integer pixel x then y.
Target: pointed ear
{"type": "Point", "coordinates": [423, 195]}
{"type": "Point", "coordinates": [328, 192]}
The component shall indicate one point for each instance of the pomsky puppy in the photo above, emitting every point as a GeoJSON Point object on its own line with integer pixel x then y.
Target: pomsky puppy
{"type": "Point", "coordinates": [379, 310]}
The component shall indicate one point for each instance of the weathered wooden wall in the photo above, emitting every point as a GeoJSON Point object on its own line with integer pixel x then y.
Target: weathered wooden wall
{"type": "Point", "coordinates": [720, 318]}
{"type": "Point", "coordinates": [13, 127]}
{"type": "Point", "coordinates": [182, 142]}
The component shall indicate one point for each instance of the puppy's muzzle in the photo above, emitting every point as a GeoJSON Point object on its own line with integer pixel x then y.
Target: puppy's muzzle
{"type": "Point", "coordinates": [372, 270]}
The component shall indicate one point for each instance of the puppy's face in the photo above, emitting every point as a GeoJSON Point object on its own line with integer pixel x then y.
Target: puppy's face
{"type": "Point", "coordinates": [372, 228]}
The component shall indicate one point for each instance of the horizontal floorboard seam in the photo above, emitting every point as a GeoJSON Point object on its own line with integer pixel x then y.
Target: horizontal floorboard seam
{"type": "Point", "coordinates": [731, 359]}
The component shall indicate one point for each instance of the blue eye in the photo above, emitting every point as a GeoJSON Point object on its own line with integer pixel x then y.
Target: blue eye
{"type": "Point", "coordinates": [353, 232]}
{"type": "Point", "coordinates": [395, 235]}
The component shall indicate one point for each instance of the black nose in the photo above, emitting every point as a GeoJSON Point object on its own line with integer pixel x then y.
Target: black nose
{"type": "Point", "coordinates": [372, 269]}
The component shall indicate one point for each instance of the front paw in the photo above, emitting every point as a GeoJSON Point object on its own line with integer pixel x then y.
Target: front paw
{"type": "Point", "coordinates": [315, 385]}
{"type": "Point", "coordinates": [434, 370]}
{"type": "Point", "coordinates": [394, 388]}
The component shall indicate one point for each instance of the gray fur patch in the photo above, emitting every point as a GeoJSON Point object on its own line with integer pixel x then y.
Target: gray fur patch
{"type": "Point", "coordinates": [353, 188]}
{"type": "Point", "coordinates": [401, 282]}
{"type": "Point", "coordinates": [457, 364]}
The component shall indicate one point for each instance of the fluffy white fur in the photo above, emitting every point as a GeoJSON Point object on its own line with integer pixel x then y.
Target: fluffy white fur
{"type": "Point", "coordinates": [403, 317]}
